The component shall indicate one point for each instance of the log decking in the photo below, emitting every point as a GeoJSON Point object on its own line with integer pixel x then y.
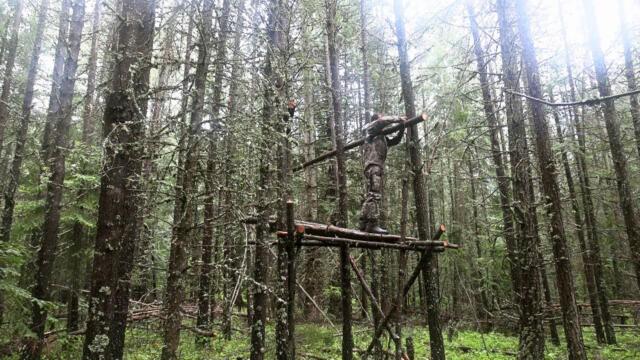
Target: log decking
{"type": "Point", "coordinates": [323, 235]}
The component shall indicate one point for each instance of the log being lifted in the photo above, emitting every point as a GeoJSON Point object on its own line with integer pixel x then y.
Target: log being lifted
{"type": "Point", "coordinates": [420, 118]}
{"type": "Point", "coordinates": [331, 231]}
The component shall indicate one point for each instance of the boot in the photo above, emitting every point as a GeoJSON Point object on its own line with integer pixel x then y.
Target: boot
{"type": "Point", "coordinates": [362, 225]}
{"type": "Point", "coordinates": [372, 227]}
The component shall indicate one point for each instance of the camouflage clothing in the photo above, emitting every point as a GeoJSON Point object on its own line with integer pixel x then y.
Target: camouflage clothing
{"type": "Point", "coordinates": [375, 154]}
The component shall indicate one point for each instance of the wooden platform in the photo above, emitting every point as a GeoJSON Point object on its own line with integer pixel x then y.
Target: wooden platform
{"type": "Point", "coordinates": [323, 235]}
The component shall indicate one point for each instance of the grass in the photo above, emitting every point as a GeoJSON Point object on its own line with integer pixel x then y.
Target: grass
{"type": "Point", "coordinates": [323, 342]}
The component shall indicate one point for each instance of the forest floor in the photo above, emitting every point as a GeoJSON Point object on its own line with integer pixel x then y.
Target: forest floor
{"type": "Point", "coordinates": [318, 342]}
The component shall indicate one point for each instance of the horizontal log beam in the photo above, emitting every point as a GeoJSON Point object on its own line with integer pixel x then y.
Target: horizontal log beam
{"type": "Point", "coordinates": [331, 230]}
{"type": "Point", "coordinates": [418, 119]}
{"type": "Point", "coordinates": [314, 240]}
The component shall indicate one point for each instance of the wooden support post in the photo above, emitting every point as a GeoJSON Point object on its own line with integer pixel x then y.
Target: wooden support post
{"type": "Point", "coordinates": [291, 279]}
{"type": "Point", "coordinates": [285, 322]}
{"type": "Point", "coordinates": [405, 290]}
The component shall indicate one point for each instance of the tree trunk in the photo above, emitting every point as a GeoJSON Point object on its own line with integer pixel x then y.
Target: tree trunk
{"type": "Point", "coordinates": [7, 215]}
{"type": "Point", "coordinates": [341, 179]}
{"type": "Point", "coordinates": [78, 231]}
{"type": "Point", "coordinates": [625, 193]}
{"type": "Point", "coordinates": [587, 256]}
{"type": "Point", "coordinates": [551, 190]}
{"type": "Point", "coordinates": [423, 216]}
{"type": "Point", "coordinates": [204, 285]}
{"type": "Point", "coordinates": [7, 82]}
{"type": "Point", "coordinates": [261, 260]}
{"type": "Point", "coordinates": [119, 201]}
{"type": "Point", "coordinates": [185, 195]}
{"type": "Point", "coordinates": [88, 128]}
{"type": "Point", "coordinates": [496, 151]}
{"type": "Point", "coordinates": [56, 165]}
{"type": "Point", "coordinates": [629, 73]}
{"type": "Point", "coordinates": [587, 201]}
{"type": "Point", "coordinates": [365, 61]}
{"type": "Point", "coordinates": [56, 79]}
{"type": "Point", "coordinates": [219, 62]}
{"type": "Point", "coordinates": [524, 258]}
{"type": "Point", "coordinates": [25, 120]}
{"type": "Point", "coordinates": [310, 209]}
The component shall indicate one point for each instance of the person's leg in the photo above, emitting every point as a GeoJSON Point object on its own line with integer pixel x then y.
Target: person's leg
{"type": "Point", "coordinates": [371, 205]}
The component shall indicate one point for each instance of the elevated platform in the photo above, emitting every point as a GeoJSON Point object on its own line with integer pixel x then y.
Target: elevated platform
{"type": "Point", "coordinates": [323, 235]}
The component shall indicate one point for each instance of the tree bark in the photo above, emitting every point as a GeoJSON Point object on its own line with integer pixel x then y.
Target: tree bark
{"type": "Point", "coordinates": [119, 201]}
{"type": "Point", "coordinates": [365, 61]}
{"type": "Point", "coordinates": [625, 193]}
{"type": "Point", "coordinates": [47, 252]}
{"type": "Point", "coordinates": [423, 217]}
{"type": "Point", "coordinates": [219, 62]}
{"type": "Point", "coordinates": [496, 151]}
{"type": "Point", "coordinates": [551, 191]}
{"type": "Point", "coordinates": [185, 195]}
{"type": "Point", "coordinates": [7, 82]}
{"type": "Point", "coordinates": [587, 201]}
{"type": "Point", "coordinates": [587, 256]}
{"type": "Point", "coordinates": [78, 231]}
{"type": "Point", "coordinates": [524, 257]}
{"type": "Point", "coordinates": [88, 128]}
{"type": "Point", "coordinates": [25, 120]}
{"type": "Point", "coordinates": [341, 179]}
{"type": "Point", "coordinates": [261, 259]}
{"type": "Point", "coordinates": [629, 73]}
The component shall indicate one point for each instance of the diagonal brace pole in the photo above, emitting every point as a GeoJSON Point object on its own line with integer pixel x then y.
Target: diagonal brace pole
{"type": "Point", "coordinates": [367, 289]}
{"type": "Point", "coordinates": [426, 255]}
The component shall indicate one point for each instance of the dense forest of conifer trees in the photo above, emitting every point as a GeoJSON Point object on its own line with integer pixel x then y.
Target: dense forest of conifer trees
{"type": "Point", "coordinates": [183, 179]}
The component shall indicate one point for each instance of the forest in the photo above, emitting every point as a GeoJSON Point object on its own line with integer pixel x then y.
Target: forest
{"type": "Point", "coordinates": [319, 179]}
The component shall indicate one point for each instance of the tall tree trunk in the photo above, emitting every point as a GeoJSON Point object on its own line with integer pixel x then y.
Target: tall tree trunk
{"type": "Point", "coordinates": [119, 201]}
{"type": "Point", "coordinates": [365, 61]}
{"type": "Point", "coordinates": [88, 127]}
{"type": "Point", "coordinates": [551, 190]}
{"type": "Point", "coordinates": [629, 73]}
{"type": "Point", "coordinates": [25, 120]}
{"type": "Point", "coordinates": [423, 215]}
{"type": "Point", "coordinates": [261, 260]}
{"type": "Point", "coordinates": [79, 232]}
{"type": "Point", "coordinates": [587, 201]}
{"type": "Point", "coordinates": [310, 209]}
{"type": "Point", "coordinates": [56, 165]}
{"type": "Point", "coordinates": [7, 82]}
{"type": "Point", "coordinates": [587, 255]}
{"type": "Point", "coordinates": [402, 267]}
{"type": "Point", "coordinates": [625, 193]}
{"type": "Point", "coordinates": [341, 180]}
{"type": "Point", "coordinates": [219, 62]}
{"type": "Point", "coordinates": [5, 32]}
{"type": "Point", "coordinates": [496, 151]}
{"type": "Point", "coordinates": [56, 79]}
{"type": "Point", "coordinates": [524, 258]}
{"type": "Point", "coordinates": [204, 283]}
{"type": "Point", "coordinates": [185, 195]}
{"type": "Point", "coordinates": [145, 258]}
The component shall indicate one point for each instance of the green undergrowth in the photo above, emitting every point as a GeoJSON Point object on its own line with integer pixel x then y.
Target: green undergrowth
{"type": "Point", "coordinates": [323, 342]}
